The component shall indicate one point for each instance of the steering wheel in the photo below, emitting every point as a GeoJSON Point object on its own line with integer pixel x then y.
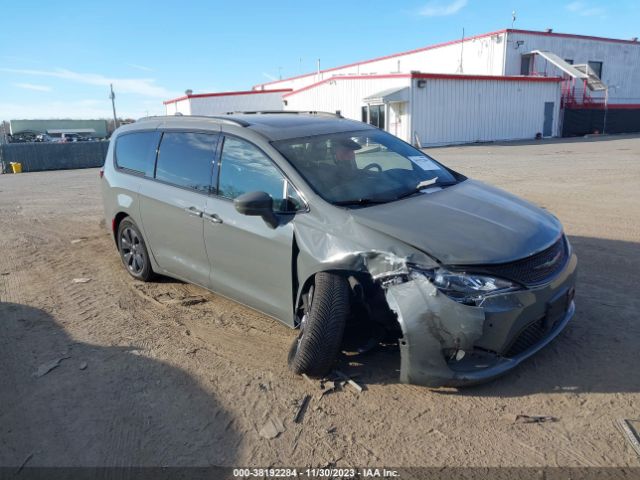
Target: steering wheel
{"type": "Point", "coordinates": [373, 165]}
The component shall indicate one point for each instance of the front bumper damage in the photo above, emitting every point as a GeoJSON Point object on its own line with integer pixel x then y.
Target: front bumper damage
{"type": "Point", "coordinates": [446, 343]}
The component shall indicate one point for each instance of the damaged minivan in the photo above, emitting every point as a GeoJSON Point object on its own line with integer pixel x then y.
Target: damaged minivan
{"type": "Point", "coordinates": [334, 226]}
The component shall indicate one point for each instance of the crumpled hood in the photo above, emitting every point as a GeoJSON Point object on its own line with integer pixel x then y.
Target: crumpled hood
{"type": "Point", "coordinates": [468, 223]}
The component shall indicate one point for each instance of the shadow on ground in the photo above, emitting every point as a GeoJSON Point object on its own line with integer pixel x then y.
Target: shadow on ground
{"type": "Point", "coordinates": [597, 352]}
{"type": "Point", "coordinates": [102, 406]}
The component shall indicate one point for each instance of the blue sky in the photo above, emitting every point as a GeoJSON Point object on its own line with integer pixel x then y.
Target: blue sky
{"type": "Point", "coordinates": [57, 58]}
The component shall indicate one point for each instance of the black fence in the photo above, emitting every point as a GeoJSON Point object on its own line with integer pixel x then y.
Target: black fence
{"type": "Point", "coordinates": [36, 157]}
{"type": "Point", "coordinates": [583, 121]}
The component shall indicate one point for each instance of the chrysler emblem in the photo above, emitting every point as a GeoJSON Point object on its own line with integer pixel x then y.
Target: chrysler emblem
{"type": "Point", "coordinates": [549, 263]}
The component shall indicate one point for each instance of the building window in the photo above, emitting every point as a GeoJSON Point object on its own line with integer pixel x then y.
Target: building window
{"type": "Point", "coordinates": [597, 68]}
{"type": "Point", "coordinates": [365, 116]}
{"type": "Point", "coordinates": [376, 116]}
{"type": "Point", "coordinates": [525, 64]}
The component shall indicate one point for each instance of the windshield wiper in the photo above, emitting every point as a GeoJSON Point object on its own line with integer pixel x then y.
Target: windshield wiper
{"type": "Point", "coordinates": [359, 201]}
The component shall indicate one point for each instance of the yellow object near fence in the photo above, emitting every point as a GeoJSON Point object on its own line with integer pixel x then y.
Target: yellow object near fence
{"type": "Point", "coordinates": [16, 167]}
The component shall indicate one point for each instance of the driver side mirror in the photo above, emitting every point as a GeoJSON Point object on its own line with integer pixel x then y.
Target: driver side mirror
{"type": "Point", "coordinates": [257, 204]}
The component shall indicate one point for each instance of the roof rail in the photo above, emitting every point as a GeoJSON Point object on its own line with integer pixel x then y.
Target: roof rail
{"type": "Point", "coordinates": [222, 118]}
{"type": "Point", "coordinates": [298, 112]}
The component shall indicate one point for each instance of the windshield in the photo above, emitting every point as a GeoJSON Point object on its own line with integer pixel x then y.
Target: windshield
{"type": "Point", "coordinates": [363, 167]}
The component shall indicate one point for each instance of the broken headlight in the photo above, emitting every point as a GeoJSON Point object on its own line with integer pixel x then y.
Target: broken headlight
{"type": "Point", "coordinates": [467, 288]}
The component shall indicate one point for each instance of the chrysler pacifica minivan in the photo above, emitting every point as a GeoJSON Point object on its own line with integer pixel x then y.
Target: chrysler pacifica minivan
{"type": "Point", "coordinates": [331, 225]}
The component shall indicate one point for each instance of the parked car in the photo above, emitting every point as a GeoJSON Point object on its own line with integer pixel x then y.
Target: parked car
{"type": "Point", "coordinates": [329, 224]}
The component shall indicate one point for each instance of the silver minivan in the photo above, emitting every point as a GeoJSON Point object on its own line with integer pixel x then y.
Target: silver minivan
{"type": "Point", "coordinates": [331, 226]}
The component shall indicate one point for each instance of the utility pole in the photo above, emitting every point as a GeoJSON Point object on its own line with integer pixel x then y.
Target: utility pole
{"type": "Point", "coordinates": [112, 96]}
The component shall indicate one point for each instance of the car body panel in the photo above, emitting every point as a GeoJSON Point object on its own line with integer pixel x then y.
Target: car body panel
{"type": "Point", "coordinates": [268, 269]}
{"type": "Point", "coordinates": [250, 261]}
{"type": "Point", "coordinates": [465, 224]}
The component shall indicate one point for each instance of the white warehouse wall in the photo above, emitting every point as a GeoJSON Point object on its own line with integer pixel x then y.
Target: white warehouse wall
{"type": "Point", "coordinates": [344, 94]}
{"type": "Point", "coordinates": [181, 106]}
{"type": "Point", "coordinates": [217, 103]}
{"type": "Point", "coordinates": [481, 55]}
{"type": "Point", "coordinates": [450, 111]}
{"type": "Point", "coordinates": [234, 103]}
{"type": "Point", "coordinates": [620, 68]}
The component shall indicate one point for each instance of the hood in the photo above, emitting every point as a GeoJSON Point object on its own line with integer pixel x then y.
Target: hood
{"type": "Point", "coordinates": [465, 224]}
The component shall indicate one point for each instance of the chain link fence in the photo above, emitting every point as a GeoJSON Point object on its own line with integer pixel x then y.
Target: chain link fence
{"type": "Point", "coordinates": [36, 157]}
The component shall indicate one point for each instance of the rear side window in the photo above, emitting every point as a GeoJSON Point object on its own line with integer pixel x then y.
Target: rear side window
{"type": "Point", "coordinates": [136, 152]}
{"type": "Point", "coordinates": [186, 159]}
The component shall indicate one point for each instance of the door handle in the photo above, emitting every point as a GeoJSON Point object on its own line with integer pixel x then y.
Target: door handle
{"type": "Point", "coordinates": [194, 212]}
{"type": "Point", "coordinates": [212, 217]}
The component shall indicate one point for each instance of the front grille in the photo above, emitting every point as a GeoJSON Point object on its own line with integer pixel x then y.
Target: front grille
{"type": "Point", "coordinates": [534, 269]}
{"type": "Point", "coordinates": [526, 339]}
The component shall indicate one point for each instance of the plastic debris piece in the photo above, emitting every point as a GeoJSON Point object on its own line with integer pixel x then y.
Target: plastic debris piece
{"type": "Point", "coordinates": [348, 380]}
{"type": "Point", "coordinates": [272, 428]}
{"type": "Point", "coordinates": [47, 367]}
{"type": "Point", "coordinates": [535, 419]}
{"type": "Point", "coordinates": [81, 280]}
{"type": "Point", "coordinates": [302, 409]}
{"type": "Point", "coordinates": [630, 431]}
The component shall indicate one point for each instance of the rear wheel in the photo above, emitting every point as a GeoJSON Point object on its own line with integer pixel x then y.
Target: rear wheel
{"type": "Point", "coordinates": [325, 313]}
{"type": "Point", "coordinates": [133, 250]}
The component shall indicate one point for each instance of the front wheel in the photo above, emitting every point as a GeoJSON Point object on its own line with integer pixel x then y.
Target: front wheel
{"type": "Point", "coordinates": [133, 250]}
{"type": "Point", "coordinates": [326, 308]}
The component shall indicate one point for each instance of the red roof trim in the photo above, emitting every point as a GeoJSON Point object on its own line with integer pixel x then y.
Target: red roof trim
{"type": "Point", "coordinates": [386, 57]}
{"type": "Point", "coordinates": [347, 77]}
{"type": "Point", "coordinates": [600, 106]}
{"type": "Point", "coordinates": [453, 42]}
{"type": "Point", "coordinates": [499, 78]}
{"type": "Point", "coordinates": [434, 76]}
{"type": "Point", "coordinates": [225, 94]}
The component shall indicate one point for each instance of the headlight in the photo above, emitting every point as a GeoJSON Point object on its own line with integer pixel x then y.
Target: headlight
{"type": "Point", "coordinates": [467, 288]}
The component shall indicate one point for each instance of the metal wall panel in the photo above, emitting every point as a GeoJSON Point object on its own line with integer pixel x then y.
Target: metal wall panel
{"type": "Point", "coordinates": [478, 56]}
{"type": "Point", "coordinates": [345, 95]}
{"type": "Point", "coordinates": [447, 111]}
{"type": "Point", "coordinates": [236, 103]}
{"type": "Point", "coordinates": [621, 61]}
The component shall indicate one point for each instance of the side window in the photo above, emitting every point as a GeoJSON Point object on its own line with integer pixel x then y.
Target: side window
{"type": "Point", "coordinates": [244, 168]}
{"type": "Point", "coordinates": [136, 152]}
{"type": "Point", "coordinates": [186, 159]}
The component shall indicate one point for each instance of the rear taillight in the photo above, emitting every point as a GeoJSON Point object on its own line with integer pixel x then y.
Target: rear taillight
{"type": "Point", "coordinates": [102, 172]}
{"type": "Point", "coordinates": [113, 225]}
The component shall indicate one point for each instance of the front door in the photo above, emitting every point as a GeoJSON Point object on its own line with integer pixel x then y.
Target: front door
{"type": "Point", "coordinates": [171, 206]}
{"type": "Point", "coordinates": [547, 127]}
{"type": "Point", "coordinates": [250, 261]}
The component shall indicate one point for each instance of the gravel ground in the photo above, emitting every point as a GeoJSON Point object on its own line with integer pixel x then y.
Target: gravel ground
{"type": "Point", "coordinates": [169, 374]}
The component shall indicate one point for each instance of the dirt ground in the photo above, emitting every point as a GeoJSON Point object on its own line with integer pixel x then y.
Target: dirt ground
{"type": "Point", "coordinates": [170, 374]}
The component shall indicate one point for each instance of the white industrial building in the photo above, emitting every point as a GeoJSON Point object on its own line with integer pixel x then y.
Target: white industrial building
{"type": "Point", "coordinates": [504, 85]}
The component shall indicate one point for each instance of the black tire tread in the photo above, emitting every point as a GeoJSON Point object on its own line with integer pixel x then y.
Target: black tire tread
{"type": "Point", "coordinates": [147, 273]}
{"type": "Point", "coordinates": [324, 327]}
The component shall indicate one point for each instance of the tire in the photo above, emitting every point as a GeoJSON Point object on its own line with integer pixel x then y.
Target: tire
{"type": "Point", "coordinates": [133, 251]}
{"type": "Point", "coordinates": [316, 349]}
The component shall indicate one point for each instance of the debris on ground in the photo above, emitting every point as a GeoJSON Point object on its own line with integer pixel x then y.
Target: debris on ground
{"type": "Point", "coordinates": [24, 463]}
{"type": "Point", "coordinates": [349, 380]}
{"type": "Point", "coordinates": [630, 429]}
{"type": "Point", "coordinates": [535, 419]}
{"type": "Point", "coordinates": [272, 428]}
{"type": "Point", "coordinates": [47, 367]}
{"type": "Point", "coordinates": [78, 240]}
{"type": "Point", "coordinates": [302, 409]}
{"type": "Point", "coordinates": [81, 280]}
{"type": "Point", "coordinates": [328, 386]}
{"type": "Point", "coordinates": [83, 365]}
{"type": "Point", "coordinates": [332, 430]}
{"type": "Point", "coordinates": [311, 382]}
